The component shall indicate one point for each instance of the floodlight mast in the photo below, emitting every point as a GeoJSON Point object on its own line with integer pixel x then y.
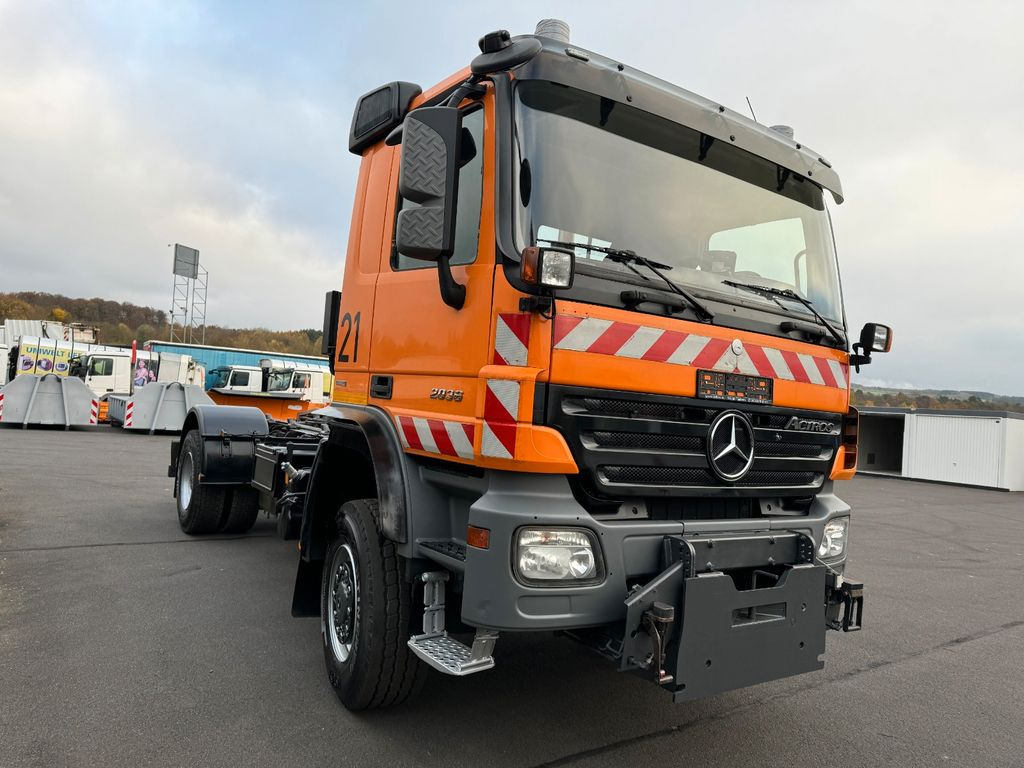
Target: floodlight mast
{"type": "Point", "coordinates": [188, 297]}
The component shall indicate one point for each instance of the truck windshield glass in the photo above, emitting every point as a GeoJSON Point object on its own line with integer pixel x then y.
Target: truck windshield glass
{"type": "Point", "coordinates": [595, 171]}
{"type": "Point", "coordinates": [279, 381]}
{"type": "Point", "coordinates": [218, 377]}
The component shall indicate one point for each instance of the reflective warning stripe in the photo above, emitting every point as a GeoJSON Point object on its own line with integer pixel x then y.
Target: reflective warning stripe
{"type": "Point", "coordinates": [639, 342]}
{"type": "Point", "coordinates": [128, 413]}
{"type": "Point", "coordinates": [1, 406]}
{"type": "Point", "coordinates": [511, 339]}
{"type": "Point", "coordinates": [501, 405]}
{"type": "Point", "coordinates": [440, 436]}
{"type": "Point", "coordinates": [94, 411]}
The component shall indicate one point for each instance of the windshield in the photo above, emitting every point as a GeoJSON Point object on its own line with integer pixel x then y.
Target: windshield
{"type": "Point", "coordinates": [218, 377]}
{"type": "Point", "coordinates": [598, 172]}
{"type": "Point", "coordinates": [279, 381]}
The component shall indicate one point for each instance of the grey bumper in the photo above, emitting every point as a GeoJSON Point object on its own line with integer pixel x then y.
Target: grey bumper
{"type": "Point", "coordinates": [632, 553]}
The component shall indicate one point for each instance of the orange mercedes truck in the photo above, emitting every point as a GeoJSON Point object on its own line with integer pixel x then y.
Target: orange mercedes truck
{"type": "Point", "coordinates": [591, 376]}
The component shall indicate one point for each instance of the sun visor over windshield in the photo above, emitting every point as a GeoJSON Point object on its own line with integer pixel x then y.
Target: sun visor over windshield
{"type": "Point", "coordinates": [607, 78]}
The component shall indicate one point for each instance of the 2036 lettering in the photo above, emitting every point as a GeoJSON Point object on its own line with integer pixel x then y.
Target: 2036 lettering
{"type": "Point", "coordinates": [440, 393]}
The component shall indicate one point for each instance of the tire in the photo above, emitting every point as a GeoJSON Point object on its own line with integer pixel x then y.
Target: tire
{"type": "Point", "coordinates": [242, 511]}
{"type": "Point", "coordinates": [286, 527]}
{"type": "Point", "coordinates": [200, 507]}
{"type": "Point", "coordinates": [369, 663]}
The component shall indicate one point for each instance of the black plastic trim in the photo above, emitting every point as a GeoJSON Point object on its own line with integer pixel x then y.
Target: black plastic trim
{"type": "Point", "coordinates": [659, 469]}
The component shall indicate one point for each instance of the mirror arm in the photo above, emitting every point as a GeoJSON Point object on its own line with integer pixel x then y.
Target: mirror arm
{"type": "Point", "coordinates": [858, 359]}
{"type": "Point", "coordinates": [470, 88]}
{"type": "Point", "coordinates": [453, 293]}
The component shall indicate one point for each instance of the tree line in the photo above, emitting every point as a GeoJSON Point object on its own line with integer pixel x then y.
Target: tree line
{"type": "Point", "coordinates": [920, 399]}
{"type": "Point", "coordinates": [120, 323]}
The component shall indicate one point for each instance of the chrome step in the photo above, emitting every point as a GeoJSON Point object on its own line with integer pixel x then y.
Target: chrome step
{"type": "Point", "coordinates": [436, 647]}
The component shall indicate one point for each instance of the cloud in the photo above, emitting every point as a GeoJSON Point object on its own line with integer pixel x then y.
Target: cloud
{"type": "Point", "coordinates": [125, 126]}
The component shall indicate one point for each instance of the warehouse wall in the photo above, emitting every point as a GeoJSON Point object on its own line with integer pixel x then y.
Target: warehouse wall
{"type": "Point", "coordinates": [1013, 464]}
{"type": "Point", "coordinates": [880, 443]}
{"type": "Point", "coordinates": [955, 449]}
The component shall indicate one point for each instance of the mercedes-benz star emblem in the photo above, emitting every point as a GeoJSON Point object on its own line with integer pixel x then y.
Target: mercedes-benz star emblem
{"type": "Point", "coordinates": [731, 445]}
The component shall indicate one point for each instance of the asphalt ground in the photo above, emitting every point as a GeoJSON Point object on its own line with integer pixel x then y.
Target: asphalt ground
{"type": "Point", "coordinates": [124, 642]}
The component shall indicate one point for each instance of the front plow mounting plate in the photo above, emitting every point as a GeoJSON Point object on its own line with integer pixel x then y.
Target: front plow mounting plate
{"type": "Point", "coordinates": [732, 639]}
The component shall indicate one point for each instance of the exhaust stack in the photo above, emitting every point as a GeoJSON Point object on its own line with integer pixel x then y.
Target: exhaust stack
{"type": "Point", "coordinates": [553, 29]}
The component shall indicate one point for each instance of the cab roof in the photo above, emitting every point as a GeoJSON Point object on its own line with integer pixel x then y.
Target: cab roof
{"type": "Point", "coordinates": [577, 67]}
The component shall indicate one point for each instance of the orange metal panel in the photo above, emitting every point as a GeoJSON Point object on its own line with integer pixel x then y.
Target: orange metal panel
{"type": "Point", "coordinates": [275, 407]}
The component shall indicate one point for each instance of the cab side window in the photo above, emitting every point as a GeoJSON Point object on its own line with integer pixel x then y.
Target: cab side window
{"type": "Point", "coordinates": [101, 366]}
{"type": "Point", "coordinates": [467, 224]}
{"type": "Point", "coordinates": [301, 381]}
{"type": "Point", "coordinates": [239, 378]}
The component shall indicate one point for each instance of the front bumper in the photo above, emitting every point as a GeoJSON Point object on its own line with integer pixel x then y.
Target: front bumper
{"type": "Point", "coordinates": [701, 607]}
{"type": "Point", "coordinates": [632, 553]}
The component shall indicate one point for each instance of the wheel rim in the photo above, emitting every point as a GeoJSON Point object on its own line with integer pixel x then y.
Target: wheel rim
{"type": "Point", "coordinates": [185, 480]}
{"type": "Point", "coordinates": [343, 608]}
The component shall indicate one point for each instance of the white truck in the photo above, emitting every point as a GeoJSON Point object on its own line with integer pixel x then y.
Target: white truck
{"type": "Point", "coordinates": [274, 376]}
{"type": "Point", "coordinates": [111, 371]}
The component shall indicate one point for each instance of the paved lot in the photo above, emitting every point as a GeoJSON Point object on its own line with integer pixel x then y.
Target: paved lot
{"type": "Point", "coordinates": [123, 642]}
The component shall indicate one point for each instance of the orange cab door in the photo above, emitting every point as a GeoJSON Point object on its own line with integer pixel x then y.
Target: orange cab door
{"type": "Point", "coordinates": [426, 352]}
{"type": "Point", "coordinates": [366, 241]}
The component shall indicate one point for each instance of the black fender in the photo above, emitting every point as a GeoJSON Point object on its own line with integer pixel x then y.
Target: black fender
{"type": "Point", "coordinates": [362, 457]}
{"type": "Point", "coordinates": [229, 433]}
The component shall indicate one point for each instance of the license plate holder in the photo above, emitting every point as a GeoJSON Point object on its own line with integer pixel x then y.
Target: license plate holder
{"type": "Point", "coordinates": [735, 387]}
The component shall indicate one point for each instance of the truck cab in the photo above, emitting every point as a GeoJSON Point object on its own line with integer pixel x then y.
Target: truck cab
{"type": "Point", "coordinates": [591, 375]}
{"type": "Point", "coordinates": [112, 371]}
{"type": "Point", "coordinates": [272, 377]}
{"type": "Point", "coordinates": [236, 378]}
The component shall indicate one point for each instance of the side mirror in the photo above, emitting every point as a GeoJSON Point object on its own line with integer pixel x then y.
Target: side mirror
{"type": "Point", "coordinates": [874, 337]}
{"type": "Point", "coordinates": [429, 175]}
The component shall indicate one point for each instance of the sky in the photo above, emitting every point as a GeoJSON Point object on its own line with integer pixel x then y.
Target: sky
{"type": "Point", "coordinates": [126, 126]}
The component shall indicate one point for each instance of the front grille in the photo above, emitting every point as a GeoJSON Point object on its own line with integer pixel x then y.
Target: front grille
{"type": "Point", "coordinates": [680, 476]}
{"type": "Point", "coordinates": [647, 441]}
{"type": "Point", "coordinates": [630, 445]}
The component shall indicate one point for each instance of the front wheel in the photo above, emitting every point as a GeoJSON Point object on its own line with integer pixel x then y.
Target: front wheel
{"type": "Point", "coordinates": [365, 614]}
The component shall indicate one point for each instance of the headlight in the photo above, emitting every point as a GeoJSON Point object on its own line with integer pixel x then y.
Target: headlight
{"type": "Point", "coordinates": [551, 555]}
{"type": "Point", "coordinates": [833, 543]}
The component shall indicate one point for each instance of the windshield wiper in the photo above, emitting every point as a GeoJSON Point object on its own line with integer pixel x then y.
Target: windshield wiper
{"type": "Point", "coordinates": [628, 258]}
{"type": "Point", "coordinates": [786, 293]}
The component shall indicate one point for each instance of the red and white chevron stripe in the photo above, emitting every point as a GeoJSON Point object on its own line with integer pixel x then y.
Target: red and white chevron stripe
{"type": "Point", "coordinates": [1, 406]}
{"type": "Point", "coordinates": [440, 436]}
{"type": "Point", "coordinates": [129, 413]}
{"type": "Point", "coordinates": [512, 339]}
{"type": "Point", "coordinates": [501, 405]}
{"type": "Point", "coordinates": [640, 342]}
{"type": "Point", "coordinates": [94, 411]}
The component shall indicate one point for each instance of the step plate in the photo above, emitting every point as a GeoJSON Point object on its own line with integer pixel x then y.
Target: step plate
{"type": "Point", "coordinates": [448, 655]}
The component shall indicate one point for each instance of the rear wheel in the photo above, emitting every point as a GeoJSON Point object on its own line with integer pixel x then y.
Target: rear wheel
{"type": "Point", "coordinates": [365, 614]}
{"type": "Point", "coordinates": [243, 509]}
{"type": "Point", "coordinates": [200, 507]}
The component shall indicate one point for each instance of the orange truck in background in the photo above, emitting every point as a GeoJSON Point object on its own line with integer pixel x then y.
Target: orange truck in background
{"type": "Point", "coordinates": [592, 375]}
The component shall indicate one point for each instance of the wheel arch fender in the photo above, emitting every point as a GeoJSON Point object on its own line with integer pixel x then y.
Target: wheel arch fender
{"type": "Point", "coordinates": [361, 457]}
{"type": "Point", "coordinates": [229, 434]}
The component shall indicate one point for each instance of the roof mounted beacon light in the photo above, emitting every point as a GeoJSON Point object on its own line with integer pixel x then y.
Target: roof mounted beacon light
{"type": "Point", "coordinates": [498, 53]}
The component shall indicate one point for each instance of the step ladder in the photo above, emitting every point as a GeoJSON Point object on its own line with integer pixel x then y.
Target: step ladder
{"type": "Point", "coordinates": [441, 651]}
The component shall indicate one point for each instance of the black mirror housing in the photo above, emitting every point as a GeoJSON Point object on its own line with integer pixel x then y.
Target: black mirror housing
{"type": "Point", "coordinates": [875, 337]}
{"type": "Point", "coordinates": [429, 175]}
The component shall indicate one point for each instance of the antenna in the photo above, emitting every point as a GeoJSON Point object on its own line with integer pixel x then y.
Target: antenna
{"type": "Point", "coordinates": [751, 109]}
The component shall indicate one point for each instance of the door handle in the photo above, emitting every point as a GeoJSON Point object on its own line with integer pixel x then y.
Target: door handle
{"type": "Point", "coordinates": [380, 387]}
